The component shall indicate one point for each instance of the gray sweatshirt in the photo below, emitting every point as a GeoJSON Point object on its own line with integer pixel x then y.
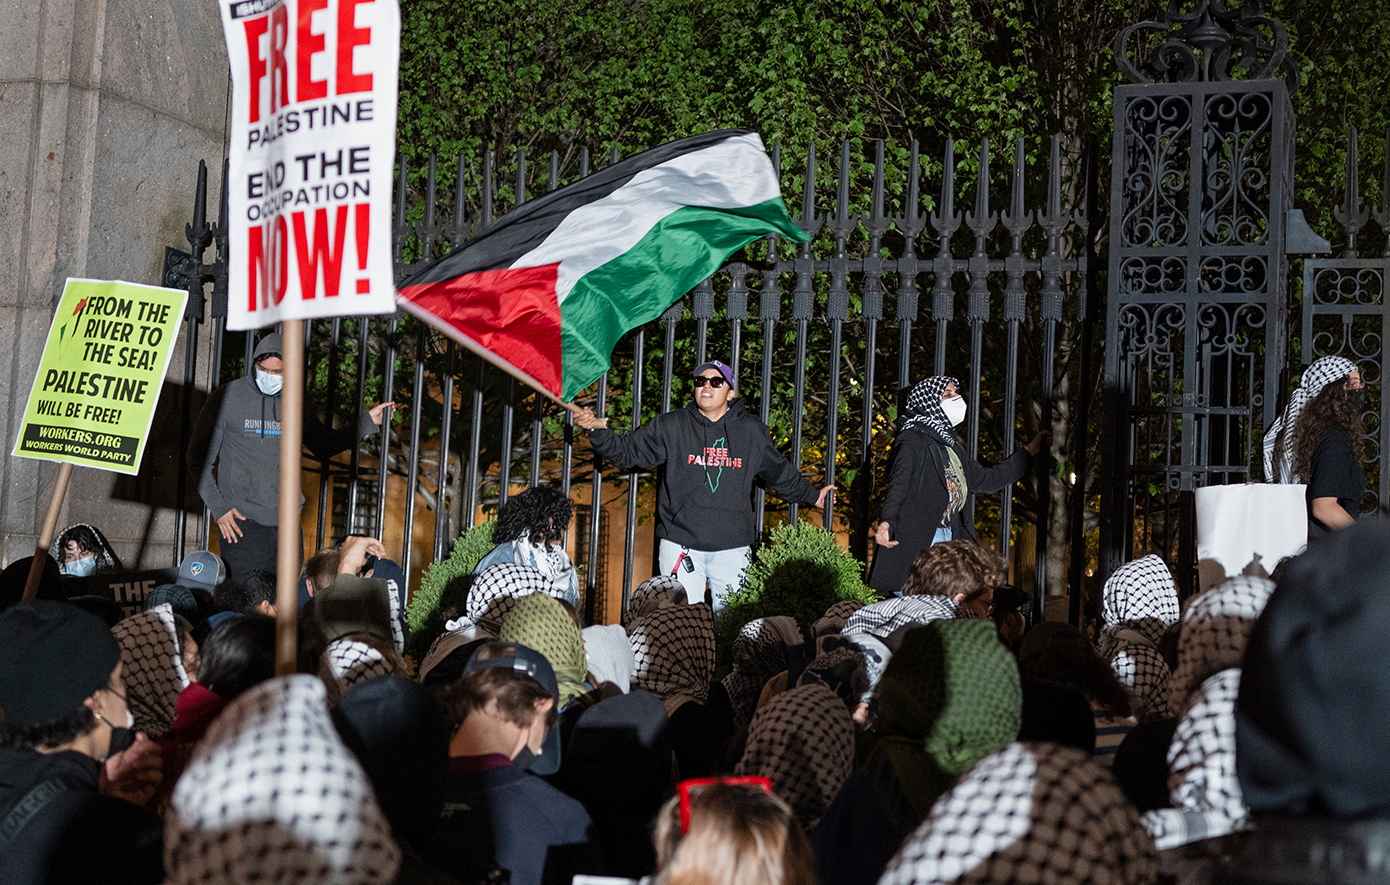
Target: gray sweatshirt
{"type": "Point", "coordinates": [239, 431]}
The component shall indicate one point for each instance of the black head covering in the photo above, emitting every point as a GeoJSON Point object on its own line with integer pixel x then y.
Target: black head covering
{"type": "Point", "coordinates": [399, 735]}
{"type": "Point", "coordinates": [1314, 707]}
{"type": "Point", "coordinates": [52, 657]}
{"type": "Point", "coordinates": [13, 577]}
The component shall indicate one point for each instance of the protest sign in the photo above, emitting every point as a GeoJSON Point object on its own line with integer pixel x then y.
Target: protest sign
{"type": "Point", "coordinates": [312, 158]}
{"type": "Point", "coordinates": [98, 382]}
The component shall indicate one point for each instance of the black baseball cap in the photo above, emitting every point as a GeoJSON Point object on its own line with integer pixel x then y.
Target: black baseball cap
{"type": "Point", "coordinates": [528, 662]}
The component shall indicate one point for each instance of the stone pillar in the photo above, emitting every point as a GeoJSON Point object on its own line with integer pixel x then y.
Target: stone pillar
{"type": "Point", "coordinates": [108, 107]}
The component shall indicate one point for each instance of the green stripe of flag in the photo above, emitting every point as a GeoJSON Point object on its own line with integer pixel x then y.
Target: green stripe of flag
{"type": "Point", "coordinates": [682, 249]}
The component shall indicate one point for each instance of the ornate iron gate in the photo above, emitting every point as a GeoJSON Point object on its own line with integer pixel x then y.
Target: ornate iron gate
{"type": "Point", "coordinates": [1201, 184]}
{"type": "Point", "coordinates": [1344, 314]}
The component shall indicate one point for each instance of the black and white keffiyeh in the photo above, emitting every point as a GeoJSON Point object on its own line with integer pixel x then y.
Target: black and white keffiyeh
{"type": "Point", "coordinates": [1141, 669]}
{"type": "Point", "coordinates": [803, 741]}
{"type": "Point", "coordinates": [1321, 373]}
{"type": "Point", "coordinates": [152, 667]}
{"type": "Point", "coordinates": [497, 588]}
{"type": "Point", "coordinates": [353, 661]}
{"type": "Point", "coordinates": [673, 653]}
{"type": "Point", "coordinates": [760, 652]}
{"type": "Point", "coordinates": [1036, 813]}
{"type": "Point", "coordinates": [923, 409]}
{"type": "Point", "coordinates": [1215, 630]}
{"type": "Point", "coordinates": [651, 595]}
{"type": "Point", "coordinates": [882, 618]}
{"type": "Point", "coordinates": [833, 621]}
{"type": "Point", "coordinates": [273, 795]}
{"type": "Point", "coordinates": [1202, 782]}
{"type": "Point", "coordinates": [1140, 596]}
{"type": "Point", "coordinates": [876, 656]}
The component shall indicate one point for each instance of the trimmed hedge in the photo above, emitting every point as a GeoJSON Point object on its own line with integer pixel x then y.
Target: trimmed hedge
{"type": "Point", "coordinates": [444, 587]}
{"type": "Point", "coordinates": [800, 572]}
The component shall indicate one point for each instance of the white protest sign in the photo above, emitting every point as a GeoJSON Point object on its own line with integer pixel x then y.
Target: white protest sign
{"type": "Point", "coordinates": [312, 158]}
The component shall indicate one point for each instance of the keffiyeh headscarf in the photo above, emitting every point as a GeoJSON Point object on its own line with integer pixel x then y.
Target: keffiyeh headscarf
{"type": "Point", "coordinates": [1321, 373]}
{"type": "Point", "coordinates": [876, 656]}
{"type": "Point", "coordinates": [541, 623]}
{"type": "Point", "coordinates": [1202, 782]}
{"type": "Point", "coordinates": [1032, 813]}
{"type": "Point", "coordinates": [950, 697]}
{"type": "Point", "coordinates": [497, 588]}
{"type": "Point", "coordinates": [1215, 630]}
{"type": "Point", "coordinates": [1140, 596]}
{"type": "Point", "coordinates": [153, 668]}
{"type": "Point", "coordinates": [105, 559]}
{"type": "Point", "coordinates": [760, 652]}
{"type": "Point", "coordinates": [833, 621]}
{"type": "Point", "coordinates": [923, 410]}
{"type": "Point", "coordinates": [651, 595]}
{"type": "Point", "coordinates": [673, 653]}
{"type": "Point", "coordinates": [353, 661]}
{"type": "Point", "coordinates": [803, 741]}
{"type": "Point", "coordinates": [550, 560]}
{"type": "Point", "coordinates": [273, 795]}
{"type": "Point", "coordinates": [841, 670]}
{"type": "Point", "coordinates": [1142, 670]}
{"type": "Point", "coordinates": [882, 618]}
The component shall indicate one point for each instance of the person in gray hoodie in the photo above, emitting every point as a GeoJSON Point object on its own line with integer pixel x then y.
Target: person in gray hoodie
{"type": "Point", "coordinates": [238, 430]}
{"type": "Point", "coordinates": [711, 451]}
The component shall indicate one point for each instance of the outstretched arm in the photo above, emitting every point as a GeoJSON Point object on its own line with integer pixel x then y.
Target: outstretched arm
{"type": "Point", "coordinates": [643, 447]}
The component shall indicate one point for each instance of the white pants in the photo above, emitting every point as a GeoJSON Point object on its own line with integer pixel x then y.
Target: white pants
{"type": "Point", "coordinates": [722, 569]}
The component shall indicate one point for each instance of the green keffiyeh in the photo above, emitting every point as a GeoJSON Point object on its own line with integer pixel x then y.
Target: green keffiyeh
{"type": "Point", "coordinates": [539, 621]}
{"type": "Point", "coordinates": [949, 697]}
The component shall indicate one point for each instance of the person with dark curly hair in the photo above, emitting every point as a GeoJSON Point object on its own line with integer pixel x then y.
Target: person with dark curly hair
{"type": "Point", "coordinates": [1320, 440]}
{"type": "Point", "coordinates": [530, 530]}
{"type": "Point", "coordinates": [82, 550]}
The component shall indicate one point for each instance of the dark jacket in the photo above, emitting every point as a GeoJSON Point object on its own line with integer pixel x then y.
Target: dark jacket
{"type": "Point", "coordinates": [507, 818]}
{"type": "Point", "coordinates": [917, 497]}
{"type": "Point", "coordinates": [239, 430]}
{"type": "Point", "coordinates": [705, 499]}
{"type": "Point", "coordinates": [56, 828]}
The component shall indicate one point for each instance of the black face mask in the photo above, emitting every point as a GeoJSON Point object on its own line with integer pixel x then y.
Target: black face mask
{"type": "Point", "coordinates": [121, 739]}
{"type": "Point", "coordinates": [1358, 399]}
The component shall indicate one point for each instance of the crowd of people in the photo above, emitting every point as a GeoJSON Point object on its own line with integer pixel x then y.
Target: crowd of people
{"type": "Point", "coordinates": [930, 736]}
{"type": "Point", "coordinates": [915, 739]}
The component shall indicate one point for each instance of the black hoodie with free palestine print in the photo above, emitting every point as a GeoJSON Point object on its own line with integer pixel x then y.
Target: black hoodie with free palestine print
{"type": "Point", "coordinates": [705, 498]}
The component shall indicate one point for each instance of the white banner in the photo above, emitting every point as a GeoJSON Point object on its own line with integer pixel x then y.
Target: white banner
{"type": "Point", "coordinates": [1246, 528]}
{"type": "Point", "coordinates": [312, 158]}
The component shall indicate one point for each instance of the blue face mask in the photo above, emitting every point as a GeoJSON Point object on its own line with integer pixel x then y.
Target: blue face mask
{"type": "Point", "coordinates": [81, 568]}
{"type": "Point", "coordinates": [269, 384]}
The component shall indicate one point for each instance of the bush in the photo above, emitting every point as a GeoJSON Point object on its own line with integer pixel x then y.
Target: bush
{"type": "Point", "coordinates": [444, 588]}
{"type": "Point", "coordinates": [800, 573]}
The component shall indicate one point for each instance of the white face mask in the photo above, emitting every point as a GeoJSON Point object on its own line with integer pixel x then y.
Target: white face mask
{"type": "Point", "coordinates": [80, 568]}
{"type": "Point", "coordinates": [954, 409]}
{"type": "Point", "coordinates": [269, 384]}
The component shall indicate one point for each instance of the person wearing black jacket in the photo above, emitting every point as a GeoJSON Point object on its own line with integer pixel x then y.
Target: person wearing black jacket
{"type": "Point", "coordinates": [931, 474]}
{"type": "Point", "coordinates": [712, 451]}
{"type": "Point", "coordinates": [73, 785]}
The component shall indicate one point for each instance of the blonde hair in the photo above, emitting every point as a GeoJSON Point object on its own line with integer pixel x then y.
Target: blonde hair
{"type": "Point", "coordinates": [954, 568]}
{"type": "Point", "coordinates": [738, 835]}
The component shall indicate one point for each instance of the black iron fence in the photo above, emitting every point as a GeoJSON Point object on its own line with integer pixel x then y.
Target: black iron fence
{"type": "Point", "coordinates": [896, 284]}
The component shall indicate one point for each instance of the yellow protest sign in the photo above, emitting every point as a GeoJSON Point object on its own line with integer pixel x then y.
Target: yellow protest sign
{"type": "Point", "coordinates": [95, 392]}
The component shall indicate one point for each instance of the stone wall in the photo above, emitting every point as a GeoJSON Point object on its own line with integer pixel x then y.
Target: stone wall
{"type": "Point", "coordinates": [108, 107]}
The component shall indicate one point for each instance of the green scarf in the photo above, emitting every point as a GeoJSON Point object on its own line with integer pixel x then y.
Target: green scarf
{"type": "Point", "coordinates": [541, 623]}
{"type": "Point", "coordinates": [949, 697]}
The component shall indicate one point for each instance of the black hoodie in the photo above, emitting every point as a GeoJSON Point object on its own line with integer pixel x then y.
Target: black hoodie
{"type": "Point", "coordinates": [705, 499]}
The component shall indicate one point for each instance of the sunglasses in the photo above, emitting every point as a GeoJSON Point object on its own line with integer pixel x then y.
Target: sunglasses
{"type": "Point", "coordinates": [701, 381]}
{"type": "Point", "coordinates": [684, 788]}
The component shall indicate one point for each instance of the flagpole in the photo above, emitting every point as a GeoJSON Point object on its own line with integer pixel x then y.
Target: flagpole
{"type": "Point", "coordinates": [50, 525]}
{"type": "Point", "coordinates": [288, 544]}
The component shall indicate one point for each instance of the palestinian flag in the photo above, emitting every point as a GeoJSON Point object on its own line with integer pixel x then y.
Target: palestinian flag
{"type": "Point", "coordinates": [547, 292]}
